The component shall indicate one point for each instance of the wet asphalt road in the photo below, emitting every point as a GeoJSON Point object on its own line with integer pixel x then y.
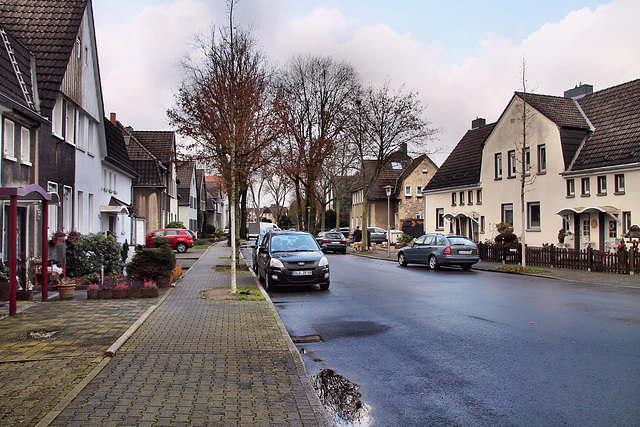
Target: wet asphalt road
{"type": "Point", "coordinates": [450, 347]}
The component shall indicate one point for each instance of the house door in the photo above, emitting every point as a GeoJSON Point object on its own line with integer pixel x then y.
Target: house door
{"type": "Point", "coordinates": [585, 231]}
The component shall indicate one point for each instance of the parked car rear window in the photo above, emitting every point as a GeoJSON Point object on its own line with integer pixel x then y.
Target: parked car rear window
{"type": "Point", "coordinates": [460, 241]}
{"type": "Point", "coordinates": [334, 235]}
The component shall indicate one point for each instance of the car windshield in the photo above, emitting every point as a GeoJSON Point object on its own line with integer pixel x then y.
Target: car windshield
{"type": "Point", "coordinates": [293, 243]}
{"type": "Point", "coordinates": [460, 241]}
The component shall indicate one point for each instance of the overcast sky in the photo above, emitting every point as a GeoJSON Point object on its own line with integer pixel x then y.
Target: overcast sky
{"type": "Point", "coordinates": [462, 57]}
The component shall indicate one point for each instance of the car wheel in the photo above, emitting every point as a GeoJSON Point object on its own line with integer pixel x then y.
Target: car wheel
{"type": "Point", "coordinates": [181, 247]}
{"type": "Point", "coordinates": [325, 286]}
{"type": "Point", "coordinates": [401, 259]}
{"type": "Point", "coordinates": [433, 262]}
{"type": "Point", "coordinates": [344, 251]}
{"type": "Point", "coordinates": [466, 267]}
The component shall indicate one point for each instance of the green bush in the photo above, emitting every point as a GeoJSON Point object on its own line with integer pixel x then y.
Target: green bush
{"type": "Point", "coordinates": [91, 252]}
{"type": "Point", "coordinates": [506, 238]}
{"type": "Point", "coordinates": [404, 238]}
{"type": "Point", "coordinates": [175, 224]}
{"type": "Point", "coordinates": [155, 264]}
{"type": "Point", "coordinates": [161, 242]}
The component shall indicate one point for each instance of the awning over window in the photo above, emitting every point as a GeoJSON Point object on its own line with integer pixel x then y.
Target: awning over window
{"type": "Point", "coordinates": [452, 216]}
{"type": "Point", "coordinates": [609, 210]}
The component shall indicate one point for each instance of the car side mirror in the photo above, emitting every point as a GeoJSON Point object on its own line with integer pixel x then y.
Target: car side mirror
{"type": "Point", "coordinates": [262, 250]}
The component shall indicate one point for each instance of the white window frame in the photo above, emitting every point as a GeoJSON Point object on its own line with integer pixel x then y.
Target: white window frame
{"type": "Point", "coordinates": [454, 200]}
{"type": "Point", "coordinates": [9, 139]}
{"type": "Point", "coordinates": [619, 183]}
{"type": "Point", "coordinates": [626, 222]}
{"type": "Point", "coordinates": [498, 166]}
{"type": "Point", "coordinates": [542, 158]}
{"type": "Point", "coordinates": [602, 185]}
{"type": "Point", "coordinates": [52, 188]}
{"type": "Point", "coordinates": [571, 187]}
{"type": "Point", "coordinates": [407, 191]}
{"type": "Point", "coordinates": [585, 186]}
{"type": "Point", "coordinates": [462, 198]}
{"type": "Point", "coordinates": [25, 146]}
{"type": "Point", "coordinates": [90, 212]}
{"type": "Point", "coordinates": [470, 197]}
{"type": "Point", "coordinates": [419, 191]}
{"type": "Point", "coordinates": [81, 211]}
{"type": "Point", "coordinates": [439, 218]}
{"type": "Point", "coordinates": [511, 164]}
{"type": "Point", "coordinates": [527, 161]}
{"type": "Point", "coordinates": [478, 196]}
{"type": "Point", "coordinates": [530, 224]}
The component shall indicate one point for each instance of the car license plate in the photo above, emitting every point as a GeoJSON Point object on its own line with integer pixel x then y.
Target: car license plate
{"type": "Point", "coordinates": [464, 252]}
{"type": "Point", "coordinates": [302, 273]}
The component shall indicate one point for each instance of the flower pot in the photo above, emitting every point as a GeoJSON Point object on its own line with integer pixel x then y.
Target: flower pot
{"type": "Point", "coordinates": [118, 293]}
{"type": "Point", "coordinates": [105, 293]}
{"type": "Point", "coordinates": [24, 295]}
{"type": "Point", "coordinates": [150, 292]}
{"type": "Point", "coordinates": [66, 291]}
{"type": "Point", "coordinates": [57, 239]}
{"type": "Point", "coordinates": [92, 293]}
{"type": "Point", "coordinates": [134, 293]}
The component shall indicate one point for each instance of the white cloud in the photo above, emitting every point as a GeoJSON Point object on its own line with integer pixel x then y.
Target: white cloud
{"type": "Point", "coordinates": [593, 46]}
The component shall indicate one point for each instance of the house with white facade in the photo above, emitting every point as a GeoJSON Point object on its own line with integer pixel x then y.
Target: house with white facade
{"type": "Point", "coordinates": [188, 195]}
{"type": "Point", "coordinates": [581, 159]}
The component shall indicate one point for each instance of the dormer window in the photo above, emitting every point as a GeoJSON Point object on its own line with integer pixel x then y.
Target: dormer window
{"type": "Point", "coordinates": [396, 166]}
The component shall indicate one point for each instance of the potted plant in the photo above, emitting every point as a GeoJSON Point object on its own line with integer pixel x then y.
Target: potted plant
{"type": "Point", "coordinates": [120, 291]}
{"type": "Point", "coordinates": [73, 236]}
{"type": "Point", "coordinates": [92, 291]}
{"type": "Point", "coordinates": [58, 237]}
{"type": "Point", "coordinates": [561, 235]}
{"type": "Point", "coordinates": [150, 289]}
{"type": "Point", "coordinates": [105, 291]}
{"type": "Point", "coordinates": [135, 289]}
{"type": "Point", "coordinates": [66, 288]}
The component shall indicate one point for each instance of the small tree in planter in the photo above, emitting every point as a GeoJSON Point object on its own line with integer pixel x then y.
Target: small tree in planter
{"type": "Point", "coordinates": [155, 264]}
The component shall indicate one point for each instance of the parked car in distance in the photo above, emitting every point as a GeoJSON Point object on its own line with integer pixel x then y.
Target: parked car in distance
{"type": "Point", "coordinates": [332, 241]}
{"type": "Point", "coordinates": [181, 239]}
{"type": "Point", "coordinates": [378, 235]}
{"type": "Point", "coordinates": [291, 258]}
{"type": "Point", "coordinates": [344, 230]}
{"type": "Point", "coordinates": [438, 249]}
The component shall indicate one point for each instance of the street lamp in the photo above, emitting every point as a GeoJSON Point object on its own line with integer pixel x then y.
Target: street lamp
{"type": "Point", "coordinates": [309, 219]}
{"type": "Point", "coordinates": [387, 189]}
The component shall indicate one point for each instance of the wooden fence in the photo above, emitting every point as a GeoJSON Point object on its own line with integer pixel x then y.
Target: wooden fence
{"type": "Point", "coordinates": [552, 256]}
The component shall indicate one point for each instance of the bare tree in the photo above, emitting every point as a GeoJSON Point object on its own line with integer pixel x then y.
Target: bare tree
{"type": "Point", "coordinates": [384, 121]}
{"type": "Point", "coordinates": [313, 98]}
{"type": "Point", "coordinates": [526, 115]}
{"type": "Point", "coordinates": [223, 108]}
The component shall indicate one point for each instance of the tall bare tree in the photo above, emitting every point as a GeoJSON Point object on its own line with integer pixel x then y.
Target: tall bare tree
{"type": "Point", "coordinates": [384, 121]}
{"type": "Point", "coordinates": [223, 108]}
{"type": "Point", "coordinates": [313, 98]}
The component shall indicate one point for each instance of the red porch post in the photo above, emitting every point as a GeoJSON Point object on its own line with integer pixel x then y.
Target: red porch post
{"type": "Point", "coordinates": [13, 236]}
{"type": "Point", "coordinates": [45, 250]}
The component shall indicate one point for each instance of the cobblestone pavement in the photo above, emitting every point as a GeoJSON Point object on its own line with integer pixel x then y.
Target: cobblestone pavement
{"type": "Point", "coordinates": [191, 361]}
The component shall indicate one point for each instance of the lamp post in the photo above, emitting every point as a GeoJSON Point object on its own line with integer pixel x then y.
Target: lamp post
{"type": "Point", "coordinates": [387, 189]}
{"type": "Point", "coordinates": [309, 219]}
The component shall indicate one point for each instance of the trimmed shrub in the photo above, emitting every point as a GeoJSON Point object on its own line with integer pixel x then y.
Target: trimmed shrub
{"type": "Point", "coordinates": [88, 253]}
{"type": "Point", "coordinates": [175, 224]}
{"type": "Point", "coordinates": [155, 264]}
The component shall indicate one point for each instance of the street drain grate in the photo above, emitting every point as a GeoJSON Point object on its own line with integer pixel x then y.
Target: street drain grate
{"type": "Point", "coordinates": [305, 339]}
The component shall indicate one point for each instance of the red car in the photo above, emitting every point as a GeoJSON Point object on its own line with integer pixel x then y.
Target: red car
{"type": "Point", "coordinates": [181, 239]}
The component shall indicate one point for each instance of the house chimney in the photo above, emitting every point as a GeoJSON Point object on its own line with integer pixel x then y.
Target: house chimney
{"type": "Point", "coordinates": [580, 91]}
{"type": "Point", "coordinates": [478, 122]}
{"type": "Point", "coordinates": [112, 118]}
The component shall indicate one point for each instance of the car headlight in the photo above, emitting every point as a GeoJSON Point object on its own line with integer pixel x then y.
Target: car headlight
{"type": "Point", "coordinates": [323, 261]}
{"type": "Point", "coordinates": [276, 263]}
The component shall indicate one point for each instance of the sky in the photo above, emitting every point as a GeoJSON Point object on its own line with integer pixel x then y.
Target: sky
{"type": "Point", "coordinates": [463, 58]}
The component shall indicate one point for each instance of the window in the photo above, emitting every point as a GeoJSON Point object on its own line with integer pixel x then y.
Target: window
{"type": "Point", "coordinates": [613, 229]}
{"type": "Point", "coordinates": [533, 216]}
{"type": "Point", "coordinates": [542, 158]}
{"type": "Point", "coordinates": [418, 191]}
{"type": "Point", "coordinates": [602, 185]}
{"type": "Point", "coordinates": [9, 139]}
{"type": "Point", "coordinates": [462, 198]}
{"type": "Point", "coordinates": [586, 187]}
{"type": "Point", "coordinates": [482, 223]}
{"type": "Point", "coordinates": [83, 130]}
{"type": "Point", "coordinates": [478, 197]}
{"type": "Point", "coordinates": [619, 182]}
{"type": "Point", "coordinates": [53, 209]}
{"type": "Point", "coordinates": [93, 129]}
{"type": "Point", "coordinates": [440, 219]}
{"type": "Point", "coordinates": [78, 48]}
{"type": "Point", "coordinates": [69, 130]}
{"type": "Point", "coordinates": [67, 209]}
{"type": "Point", "coordinates": [511, 164]}
{"type": "Point", "coordinates": [507, 213]}
{"type": "Point", "coordinates": [498, 166]}
{"type": "Point", "coordinates": [25, 146]}
{"type": "Point", "coordinates": [626, 222]}
{"type": "Point", "coordinates": [470, 197]}
{"type": "Point", "coordinates": [566, 222]}
{"type": "Point", "coordinates": [90, 202]}
{"type": "Point", "coordinates": [407, 191]}
{"type": "Point", "coordinates": [453, 199]}
{"type": "Point", "coordinates": [571, 188]}
{"type": "Point", "coordinates": [80, 216]}
{"type": "Point", "coordinates": [115, 188]}
{"type": "Point", "coordinates": [527, 161]}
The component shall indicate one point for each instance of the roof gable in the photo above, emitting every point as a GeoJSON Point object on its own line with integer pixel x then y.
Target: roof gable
{"type": "Point", "coordinates": [116, 149]}
{"type": "Point", "coordinates": [49, 29]}
{"type": "Point", "coordinates": [464, 164]}
{"type": "Point", "coordinates": [160, 143]}
{"type": "Point", "coordinates": [615, 115]}
{"type": "Point", "coordinates": [562, 111]}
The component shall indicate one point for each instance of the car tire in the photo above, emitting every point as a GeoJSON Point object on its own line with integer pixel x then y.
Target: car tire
{"type": "Point", "coordinates": [344, 251]}
{"type": "Point", "coordinates": [402, 260]}
{"type": "Point", "coordinates": [466, 267]}
{"type": "Point", "coordinates": [325, 286]}
{"type": "Point", "coordinates": [181, 247]}
{"type": "Point", "coordinates": [433, 263]}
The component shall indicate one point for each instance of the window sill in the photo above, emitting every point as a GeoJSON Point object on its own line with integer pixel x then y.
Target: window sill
{"type": "Point", "coordinates": [585, 195]}
{"type": "Point", "coordinates": [534, 230]}
{"type": "Point", "coordinates": [11, 158]}
{"type": "Point", "coordinates": [544, 172]}
{"type": "Point", "coordinates": [26, 163]}
{"type": "Point", "coordinates": [601, 194]}
{"type": "Point", "coordinates": [478, 203]}
{"type": "Point", "coordinates": [499, 178]}
{"type": "Point", "coordinates": [511, 177]}
{"type": "Point", "coordinates": [619, 193]}
{"type": "Point", "coordinates": [570, 196]}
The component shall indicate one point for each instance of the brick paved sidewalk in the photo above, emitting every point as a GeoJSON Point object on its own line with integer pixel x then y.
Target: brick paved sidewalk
{"type": "Point", "coordinates": [196, 361]}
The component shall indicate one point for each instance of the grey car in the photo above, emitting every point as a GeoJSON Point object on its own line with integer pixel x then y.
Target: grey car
{"type": "Point", "coordinates": [332, 241]}
{"type": "Point", "coordinates": [378, 235]}
{"type": "Point", "coordinates": [438, 249]}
